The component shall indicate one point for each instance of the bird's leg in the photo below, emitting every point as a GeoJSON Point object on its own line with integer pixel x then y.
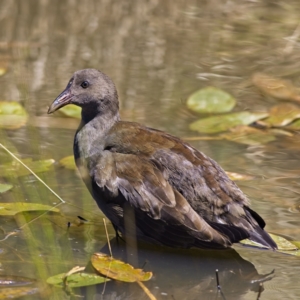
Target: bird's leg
{"type": "Point", "coordinates": [118, 236]}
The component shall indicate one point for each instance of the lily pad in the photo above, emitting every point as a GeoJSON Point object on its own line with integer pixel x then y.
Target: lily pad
{"type": "Point", "coordinates": [277, 88]}
{"type": "Point", "coordinates": [68, 162]}
{"type": "Point", "coordinates": [296, 243]}
{"type": "Point", "coordinates": [223, 123]}
{"type": "Point", "coordinates": [282, 114]}
{"type": "Point", "coordinates": [248, 135]}
{"type": "Point", "coordinates": [294, 126]}
{"type": "Point", "coordinates": [72, 111]}
{"type": "Point", "coordinates": [11, 209]}
{"type": "Point", "coordinates": [15, 169]}
{"type": "Point", "coordinates": [4, 187]}
{"type": "Point", "coordinates": [76, 280]}
{"type": "Point", "coordinates": [117, 269]}
{"type": "Point", "coordinates": [284, 246]}
{"type": "Point", "coordinates": [282, 243]}
{"type": "Point", "coordinates": [211, 100]}
{"type": "Point", "coordinates": [12, 115]}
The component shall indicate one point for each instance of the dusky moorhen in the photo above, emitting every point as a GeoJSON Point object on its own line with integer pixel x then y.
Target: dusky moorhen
{"type": "Point", "coordinates": [179, 196]}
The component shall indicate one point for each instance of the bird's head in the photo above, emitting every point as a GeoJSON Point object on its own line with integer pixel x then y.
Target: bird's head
{"type": "Point", "coordinates": [90, 89]}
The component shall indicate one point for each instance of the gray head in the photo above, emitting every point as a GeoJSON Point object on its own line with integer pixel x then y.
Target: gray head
{"type": "Point", "coordinates": [93, 91]}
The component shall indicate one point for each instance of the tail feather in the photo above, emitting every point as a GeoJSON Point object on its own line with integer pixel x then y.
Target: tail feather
{"type": "Point", "coordinates": [262, 237]}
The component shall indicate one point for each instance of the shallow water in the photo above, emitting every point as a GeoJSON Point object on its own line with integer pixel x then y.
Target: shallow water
{"type": "Point", "coordinates": [157, 53]}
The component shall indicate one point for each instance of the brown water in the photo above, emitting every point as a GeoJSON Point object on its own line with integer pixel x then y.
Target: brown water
{"type": "Point", "coordinates": [157, 53]}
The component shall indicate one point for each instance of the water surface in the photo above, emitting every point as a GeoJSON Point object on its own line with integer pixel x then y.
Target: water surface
{"type": "Point", "coordinates": [157, 53]}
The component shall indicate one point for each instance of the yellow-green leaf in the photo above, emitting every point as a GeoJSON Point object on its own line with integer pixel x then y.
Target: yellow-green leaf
{"type": "Point", "coordinates": [68, 162]}
{"type": "Point", "coordinates": [12, 115]}
{"type": "Point", "coordinates": [76, 279]}
{"type": "Point", "coordinates": [117, 269]}
{"type": "Point", "coordinates": [294, 126]}
{"type": "Point", "coordinates": [248, 135]}
{"type": "Point", "coordinates": [72, 111]}
{"type": "Point", "coordinates": [4, 187]}
{"type": "Point", "coordinates": [284, 246]}
{"type": "Point", "coordinates": [15, 169]}
{"type": "Point", "coordinates": [282, 114]}
{"type": "Point", "coordinates": [224, 122]}
{"type": "Point", "coordinates": [210, 100]}
{"type": "Point", "coordinates": [10, 209]}
{"type": "Point", "coordinates": [282, 243]}
{"type": "Point", "coordinates": [296, 243]}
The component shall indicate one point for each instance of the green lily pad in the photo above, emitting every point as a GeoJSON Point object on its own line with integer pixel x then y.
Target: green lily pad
{"type": "Point", "coordinates": [72, 111]}
{"type": "Point", "coordinates": [248, 135]}
{"type": "Point", "coordinates": [15, 169]}
{"type": "Point", "coordinates": [4, 187]}
{"type": "Point", "coordinates": [68, 162]}
{"type": "Point", "coordinates": [282, 114]}
{"type": "Point", "coordinates": [12, 115]}
{"type": "Point", "coordinates": [76, 279]}
{"type": "Point", "coordinates": [210, 100]}
{"type": "Point", "coordinates": [11, 209]}
{"type": "Point", "coordinates": [223, 123]}
{"type": "Point", "coordinates": [117, 269]}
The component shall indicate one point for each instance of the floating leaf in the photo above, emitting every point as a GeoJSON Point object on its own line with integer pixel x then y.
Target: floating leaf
{"type": "Point", "coordinates": [210, 100]}
{"type": "Point", "coordinates": [296, 243]}
{"type": "Point", "coordinates": [277, 88]}
{"type": "Point", "coordinates": [117, 269]}
{"type": "Point", "coordinates": [11, 209]}
{"type": "Point", "coordinates": [237, 176]}
{"type": "Point", "coordinates": [248, 136]}
{"type": "Point", "coordinates": [248, 242]}
{"type": "Point", "coordinates": [4, 187]}
{"type": "Point", "coordinates": [282, 243]}
{"type": "Point", "coordinates": [12, 115]}
{"type": "Point", "coordinates": [72, 111]}
{"type": "Point", "coordinates": [16, 169]}
{"type": "Point", "coordinates": [282, 114]}
{"type": "Point", "coordinates": [284, 246]}
{"type": "Point", "coordinates": [76, 280]}
{"type": "Point", "coordinates": [223, 123]}
{"type": "Point", "coordinates": [68, 162]}
{"type": "Point", "coordinates": [294, 126]}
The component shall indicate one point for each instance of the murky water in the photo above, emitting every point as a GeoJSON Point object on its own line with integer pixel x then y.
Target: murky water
{"type": "Point", "coordinates": [157, 53]}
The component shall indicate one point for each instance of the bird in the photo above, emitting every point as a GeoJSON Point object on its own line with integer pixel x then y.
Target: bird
{"type": "Point", "coordinates": [176, 195]}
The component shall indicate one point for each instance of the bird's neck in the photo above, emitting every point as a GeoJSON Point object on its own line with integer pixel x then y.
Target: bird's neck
{"type": "Point", "coordinates": [90, 136]}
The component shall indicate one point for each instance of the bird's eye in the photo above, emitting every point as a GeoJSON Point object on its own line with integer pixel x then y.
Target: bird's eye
{"type": "Point", "coordinates": [84, 84]}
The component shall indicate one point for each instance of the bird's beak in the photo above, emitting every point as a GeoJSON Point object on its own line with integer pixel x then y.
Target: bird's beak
{"type": "Point", "coordinates": [63, 99]}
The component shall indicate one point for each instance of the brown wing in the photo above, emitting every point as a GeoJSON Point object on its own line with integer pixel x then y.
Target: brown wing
{"type": "Point", "coordinates": [161, 212]}
{"type": "Point", "coordinates": [198, 178]}
{"type": "Point", "coordinates": [175, 184]}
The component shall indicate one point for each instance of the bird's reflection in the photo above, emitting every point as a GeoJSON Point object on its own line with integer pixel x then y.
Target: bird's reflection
{"type": "Point", "coordinates": [182, 274]}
